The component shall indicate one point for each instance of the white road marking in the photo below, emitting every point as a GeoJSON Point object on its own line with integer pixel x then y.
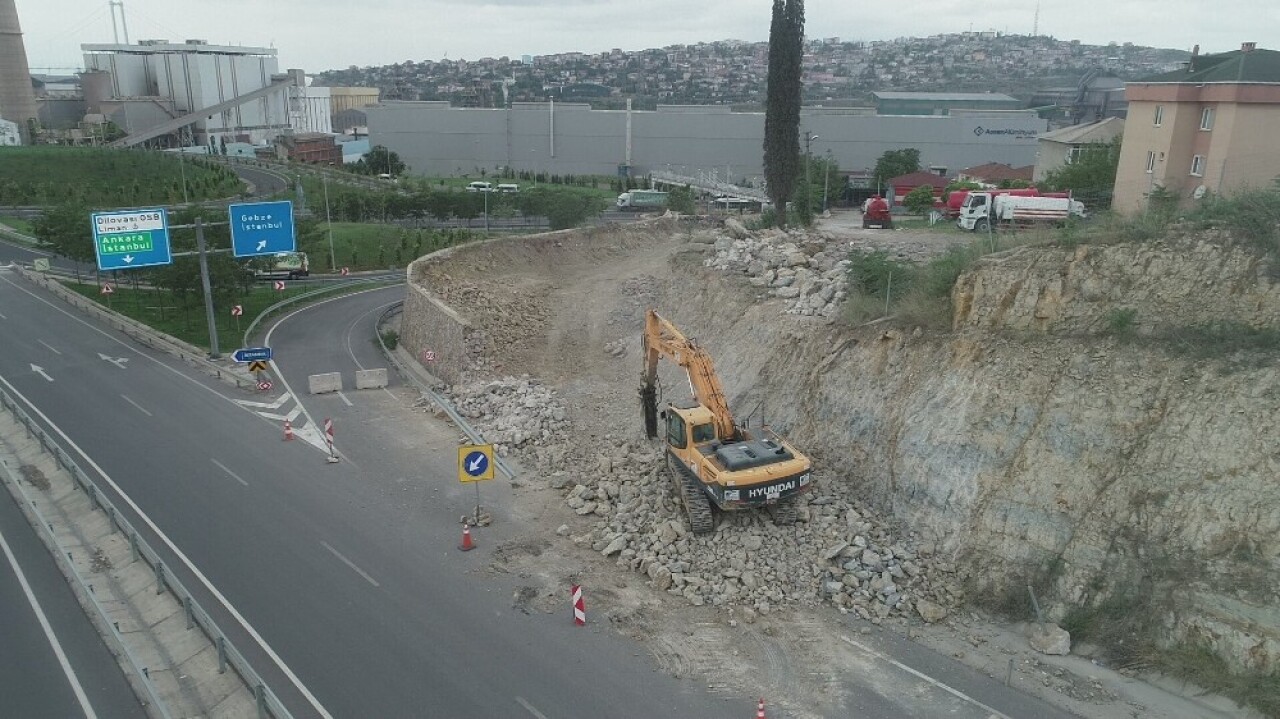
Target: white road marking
{"type": "Point", "coordinates": [262, 643]}
{"type": "Point", "coordinates": [349, 563]}
{"type": "Point", "coordinates": [51, 347]}
{"type": "Point", "coordinates": [293, 414]}
{"type": "Point", "coordinates": [2, 316]}
{"type": "Point", "coordinates": [135, 404]}
{"type": "Point", "coordinates": [351, 351]}
{"type": "Point", "coordinates": [277, 404]}
{"type": "Point", "coordinates": [921, 675]}
{"type": "Point", "coordinates": [343, 397]}
{"type": "Point", "coordinates": [234, 476]}
{"type": "Point", "coordinates": [48, 632]}
{"type": "Point", "coordinates": [521, 701]}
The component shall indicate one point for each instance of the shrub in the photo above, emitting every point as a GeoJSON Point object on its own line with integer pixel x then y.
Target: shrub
{"type": "Point", "coordinates": [391, 339]}
{"type": "Point", "coordinates": [1119, 321]}
{"type": "Point", "coordinates": [920, 200]}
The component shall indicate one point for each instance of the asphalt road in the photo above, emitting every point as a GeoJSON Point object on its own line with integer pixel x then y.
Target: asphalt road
{"type": "Point", "coordinates": [53, 662]}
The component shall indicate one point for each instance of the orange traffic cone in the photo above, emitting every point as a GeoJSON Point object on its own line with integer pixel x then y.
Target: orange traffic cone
{"type": "Point", "coordinates": [760, 709]}
{"type": "Point", "coordinates": [466, 545]}
{"type": "Point", "coordinates": [288, 431]}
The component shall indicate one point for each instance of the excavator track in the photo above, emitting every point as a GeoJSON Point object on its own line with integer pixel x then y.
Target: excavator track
{"type": "Point", "coordinates": [697, 505]}
{"type": "Point", "coordinates": [784, 512]}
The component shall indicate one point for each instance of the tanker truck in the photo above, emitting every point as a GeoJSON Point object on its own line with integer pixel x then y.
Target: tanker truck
{"type": "Point", "coordinates": [983, 210]}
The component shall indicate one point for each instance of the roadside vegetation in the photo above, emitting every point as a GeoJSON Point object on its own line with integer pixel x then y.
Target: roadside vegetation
{"type": "Point", "coordinates": [106, 177]}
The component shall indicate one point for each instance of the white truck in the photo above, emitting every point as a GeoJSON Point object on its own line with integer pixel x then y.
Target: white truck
{"type": "Point", "coordinates": [982, 210]}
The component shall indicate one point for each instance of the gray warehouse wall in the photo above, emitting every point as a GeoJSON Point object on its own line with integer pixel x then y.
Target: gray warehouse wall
{"type": "Point", "coordinates": [435, 139]}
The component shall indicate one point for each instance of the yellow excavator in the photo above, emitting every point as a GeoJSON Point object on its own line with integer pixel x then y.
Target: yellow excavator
{"type": "Point", "coordinates": [713, 462]}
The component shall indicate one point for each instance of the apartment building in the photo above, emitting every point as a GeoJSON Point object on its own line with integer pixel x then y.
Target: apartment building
{"type": "Point", "coordinates": [1208, 127]}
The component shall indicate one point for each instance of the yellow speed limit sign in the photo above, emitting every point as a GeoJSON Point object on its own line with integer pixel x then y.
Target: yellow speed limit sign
{"type": "Point", "coordinates": [475, 462]}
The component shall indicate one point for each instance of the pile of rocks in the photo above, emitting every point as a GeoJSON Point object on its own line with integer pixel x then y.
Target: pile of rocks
{"type": "Point", "coordinates": [807, 269]}
{"type": "Point", "coordinates": [838, 552]}
{"type": "Point", "coordinates": [514, 413]}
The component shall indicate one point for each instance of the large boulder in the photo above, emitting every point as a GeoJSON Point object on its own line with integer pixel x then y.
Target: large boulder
{"type": "Point", "coordinates": [1049, 639]}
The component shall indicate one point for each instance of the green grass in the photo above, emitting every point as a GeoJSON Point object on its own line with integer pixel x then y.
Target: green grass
{"type": "Point", "coordinates": [375, 246]}
{"type": "Point", "coordinates": [1199, 665]}
{"type": "Point", "coordinates": [17, 223]}
{"type": "Point", "coordinates": [105, 177]}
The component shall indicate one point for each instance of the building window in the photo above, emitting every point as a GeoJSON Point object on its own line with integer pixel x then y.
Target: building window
{"type": "Point", "coordinates": [1159, 118]}
{"type": "Point", "coordinates": [1073, 155]}
{"type": "Point", "coordinates": [1151, 161]}
{"type": "Point", "coordinates": [1206, 118]}
{"type": "Point", "coordinates": [1197, 165]}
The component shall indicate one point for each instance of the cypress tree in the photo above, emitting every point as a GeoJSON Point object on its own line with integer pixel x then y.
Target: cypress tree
{"type": "Point", "coordinates": [782, 111]}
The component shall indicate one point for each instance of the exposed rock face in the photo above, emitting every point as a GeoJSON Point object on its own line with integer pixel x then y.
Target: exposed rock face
{"type": "Point", "coordinates": [1020, 447]}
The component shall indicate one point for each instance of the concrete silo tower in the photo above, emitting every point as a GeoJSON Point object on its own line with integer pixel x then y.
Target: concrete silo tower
{"type": "Point", "coordinates": [17, 101]}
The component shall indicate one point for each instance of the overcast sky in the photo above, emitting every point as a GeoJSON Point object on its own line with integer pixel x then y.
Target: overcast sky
{"type": "Point", "coordinates": [319, 35]}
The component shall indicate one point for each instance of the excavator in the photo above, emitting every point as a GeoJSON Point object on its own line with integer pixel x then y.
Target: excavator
{"type": "Point", "coordinates": [714, 463]}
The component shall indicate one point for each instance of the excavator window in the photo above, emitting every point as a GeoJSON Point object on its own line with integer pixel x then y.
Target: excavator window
{"type": "Point", "coordinates": [704, 433]}
{"type": "Point", "coordinates": [676, 431]}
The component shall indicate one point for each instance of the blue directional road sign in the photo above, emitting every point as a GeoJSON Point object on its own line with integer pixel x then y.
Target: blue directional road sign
{"type": "Point", "coordinates": [475, 462]}
{"type": "Point", "coordinates": [124, 239]}
{"type": "Point", "coordinates": [250, 354]}
{"type": "Point", "coordinates": [261, 228]}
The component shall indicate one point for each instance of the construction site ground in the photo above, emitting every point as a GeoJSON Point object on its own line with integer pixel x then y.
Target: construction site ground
{"type": "Point", "coordinates": [577, 330]}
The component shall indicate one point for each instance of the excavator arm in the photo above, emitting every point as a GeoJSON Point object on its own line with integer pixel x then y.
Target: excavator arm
{"type": "Point", "coordinates": [662, 339]}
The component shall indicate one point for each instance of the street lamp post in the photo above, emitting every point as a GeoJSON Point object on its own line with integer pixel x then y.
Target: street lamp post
{"type": "Point", "coordinates": [826, 181]}
{"type": "Point", "coordinates": [333, 260]}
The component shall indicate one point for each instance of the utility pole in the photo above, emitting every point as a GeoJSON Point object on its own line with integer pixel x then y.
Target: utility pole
{"type": "Point", "coordinates": [808, 203]}
{"type": "Point", "coordinates": [208, 292]}
{"type": "Point", "coordinates": [333, 262]}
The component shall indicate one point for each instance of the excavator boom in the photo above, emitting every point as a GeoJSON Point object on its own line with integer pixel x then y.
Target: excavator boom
{"type": "Point", "coordinates": [662, 339]}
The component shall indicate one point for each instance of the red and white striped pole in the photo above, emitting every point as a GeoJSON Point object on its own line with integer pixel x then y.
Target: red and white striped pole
{"type": "Point", "coordinates": [579, 608]}
{"type": "Point", "coordinates": [760, 709]}
{"type": "Point", "coordinates": [328, 438]}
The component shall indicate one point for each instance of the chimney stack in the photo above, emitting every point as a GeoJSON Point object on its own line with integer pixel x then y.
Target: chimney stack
{"type": "Point", "coordinates": [1248, 46]}
{"type": "Point", "coordinates": [17, 100]}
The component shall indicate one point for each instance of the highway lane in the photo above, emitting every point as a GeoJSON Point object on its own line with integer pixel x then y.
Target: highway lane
{"type": "Point", "coordinates": [379, 616]}
{"type": "Point", "coordinates": [53, 662]}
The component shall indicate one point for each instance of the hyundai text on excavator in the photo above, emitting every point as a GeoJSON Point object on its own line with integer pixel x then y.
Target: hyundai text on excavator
{"type": "Point", "coordinates": [713, 461]}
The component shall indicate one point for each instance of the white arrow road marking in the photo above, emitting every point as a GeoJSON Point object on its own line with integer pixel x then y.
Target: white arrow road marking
{"type": "Point", "coordinates": [475, 464]}
{"type": "Point", "coordinates": [293, 414]}
{"type": "Point", "coordinates": [40, 371]}
{"type": "Point", "coordinates": [51, 347]}
{"type": "Point", "coordinates": [117, 361]}
{"type": "Point", "coordinates": [277, 404]}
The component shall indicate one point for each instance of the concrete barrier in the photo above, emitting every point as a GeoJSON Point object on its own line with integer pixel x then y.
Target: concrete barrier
{"type": "Point", "coordinates": [328, 382]}
{"type": "Point", "coordinates": [371, 378]}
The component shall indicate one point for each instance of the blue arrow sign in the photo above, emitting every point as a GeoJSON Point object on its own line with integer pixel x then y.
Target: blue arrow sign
{"type": "Point", "coordinates": [124, 239]}
{"type": "Point", "coordinates": [249, 354]}
{"type": "Point", "coordinates": [261, 228]}
{"type": "Point", "coordinates": [475, 463]}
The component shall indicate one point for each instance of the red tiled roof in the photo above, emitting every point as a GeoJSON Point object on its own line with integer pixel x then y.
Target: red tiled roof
{"type": "Point", "coordinates": [995, 172]}
{"type": "Point", "coordinates": [915, 179]}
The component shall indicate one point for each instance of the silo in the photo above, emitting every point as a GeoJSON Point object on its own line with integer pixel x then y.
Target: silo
{"type": "Point", "coordinates": [96, 85]}
{"type": "Point", "coordinates": [17, 101]}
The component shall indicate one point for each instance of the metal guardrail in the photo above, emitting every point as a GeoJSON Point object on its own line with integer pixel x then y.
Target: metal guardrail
{"type": "Point", "coordinates": [472, 433]}
{"type": "Point", "coordinates": [269, 705]}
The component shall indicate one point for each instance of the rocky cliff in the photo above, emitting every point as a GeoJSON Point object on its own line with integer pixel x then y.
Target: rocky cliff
{"type": "Point", "coordinates": [1037, 449]}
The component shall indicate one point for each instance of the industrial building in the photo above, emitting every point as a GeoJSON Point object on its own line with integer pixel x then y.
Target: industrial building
{"type": "Point", "coordinates": [17, 100]}
{"type": "Point", "coordinates": [146, 85]}
{"type": "Point", "coordinates": [564, 138]}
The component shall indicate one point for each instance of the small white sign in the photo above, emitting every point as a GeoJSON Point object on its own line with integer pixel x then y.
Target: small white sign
{"type": "Point", "coordinates": [109, 223]}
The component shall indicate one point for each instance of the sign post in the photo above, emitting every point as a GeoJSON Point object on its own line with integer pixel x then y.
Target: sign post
{"type": "Point", "coordinates": [328, 438]}
{"type": "Point", "coordinates": [475, 465]}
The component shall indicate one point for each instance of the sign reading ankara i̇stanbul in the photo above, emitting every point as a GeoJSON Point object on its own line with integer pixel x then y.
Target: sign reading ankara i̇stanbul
{"type": "Point", "coordinates": [124, 239]}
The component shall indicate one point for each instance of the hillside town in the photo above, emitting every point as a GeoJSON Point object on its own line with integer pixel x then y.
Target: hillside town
{"type": "Point", "coordinates": [733, 72]}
